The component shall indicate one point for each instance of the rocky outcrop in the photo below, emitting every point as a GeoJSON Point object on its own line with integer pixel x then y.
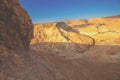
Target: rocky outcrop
{"type": "Point", "coordinates": [99, 62]}
{"type": "Point", "coordinates": [15, 34]}
{"type": "Point", "coordinates": [61, 38]}
{"type": "Point", "coordinates": [71, 37]}
{"type": "Point", "coordinates": [104, 30]}
{"type": "Point", "coordinates": [15, 25]}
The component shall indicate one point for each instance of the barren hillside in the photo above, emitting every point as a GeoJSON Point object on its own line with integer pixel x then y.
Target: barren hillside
{"type": "Point", "coordinates": [82, 49]}
{"type": "Point", "coordinates": [78, 37]}
{"type": "Point", "coordinates": [70, 50]}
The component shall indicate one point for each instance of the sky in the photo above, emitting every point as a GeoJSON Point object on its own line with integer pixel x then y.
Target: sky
{"type": "Point", "coordinates": [44, 11]}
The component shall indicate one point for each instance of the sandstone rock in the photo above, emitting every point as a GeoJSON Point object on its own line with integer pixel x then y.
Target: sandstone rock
{"type": "Point", "coordinates": [63, 38]}
{"type": "Point", "coordinates": [60, 38]}
{"type": "Point", "coordinates": [15, 25]}
{"type": "Point", "coordinates": [99, 62]}
{"type": "Point", "coordinates": [104, 30]}
{"type": "Point", "coordinates": [23, 66]}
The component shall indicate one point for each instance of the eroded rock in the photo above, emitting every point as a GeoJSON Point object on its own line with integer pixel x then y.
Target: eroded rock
{"type": "Point", "coordinates": [15, 25]}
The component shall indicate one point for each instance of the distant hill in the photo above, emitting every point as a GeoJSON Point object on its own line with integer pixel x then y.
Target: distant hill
{"type": "Point", "coordinates": [77, 36]}
{"type": "Point", "coordinates": [68, 50]}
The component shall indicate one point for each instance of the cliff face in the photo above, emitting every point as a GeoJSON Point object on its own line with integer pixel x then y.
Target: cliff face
{"type": "Point", "coordinates": [60, 37]}
{"type": "Point", "coordinates": [99, 62]}
{"type": "Point", "coordinates": [80, 50]}
{"type": "Point", "coordinates": [15, 25]}
{"type": "Point", "coordinates": [96, 30]}
{"type": "Point", "coordinates": [77, 36]}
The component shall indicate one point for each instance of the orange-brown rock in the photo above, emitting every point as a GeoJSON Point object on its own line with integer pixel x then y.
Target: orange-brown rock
{"type": "Point", "coordinates": [104, 30]}
{"type": "Point", "coordinates": [77, 36]}
{"type": "Point", "coordinates": [61, 38]}
{"type": "Point", "coordinates": [15, 25]}
{"type": "Point", "coordinates": [97, 62]}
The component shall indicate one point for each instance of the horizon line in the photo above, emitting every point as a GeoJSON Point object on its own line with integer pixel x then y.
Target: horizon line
{"type": "Point", "coordinates": [52, 21]}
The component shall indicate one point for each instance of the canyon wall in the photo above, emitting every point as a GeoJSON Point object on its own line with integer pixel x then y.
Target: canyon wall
{"type": "Point", "coordinates": [76, 36]}
{"type": "Point", "coordinates": [15, 25]}
{"type": "Point", "coordinates": [98, 43]}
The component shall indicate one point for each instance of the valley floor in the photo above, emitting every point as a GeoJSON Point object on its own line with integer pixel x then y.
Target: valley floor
{"type": "Point", "coordinates": [45, 65]}
{"type": "Point", "coordinates": [94, 64]}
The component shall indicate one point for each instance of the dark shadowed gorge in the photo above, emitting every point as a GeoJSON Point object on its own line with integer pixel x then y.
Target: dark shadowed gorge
{"type": "Point", "coordinates": [69, 50]}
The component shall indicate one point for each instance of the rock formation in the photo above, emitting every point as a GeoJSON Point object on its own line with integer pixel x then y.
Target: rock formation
{"type": "Point", "coordinates": [15, 25]}
{"type": "Point", "coordinates": [91, 60]}
{"type": "Point", "coordinates": [82, 51]}
{"type": "Point", "coordinates": [60, 37]}
{"type": "Point", "coordinates": [77, 36]}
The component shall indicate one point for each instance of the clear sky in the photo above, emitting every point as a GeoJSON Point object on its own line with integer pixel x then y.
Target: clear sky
{"type": "Point", "coordinates": [43, 11]}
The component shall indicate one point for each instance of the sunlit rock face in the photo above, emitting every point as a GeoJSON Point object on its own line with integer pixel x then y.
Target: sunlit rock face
{"type": "Point", "coordinates": [77, 36]}
{"type": "Point", "coordinates": [15, 25]}
{"type": "Point", "coordinates": [97, 61]}
{"type": "Point", "coordinates": [60, 37]}
{"type": "Point", "coordinates": [105, 30]}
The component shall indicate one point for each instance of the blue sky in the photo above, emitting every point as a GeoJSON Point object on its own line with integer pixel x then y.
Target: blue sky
{"type": "Point", "coordinates": [43, 11]}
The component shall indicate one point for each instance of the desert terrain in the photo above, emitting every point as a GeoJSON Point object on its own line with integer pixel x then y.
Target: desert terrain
{"type": "Point", "coordinates": [68, 50]}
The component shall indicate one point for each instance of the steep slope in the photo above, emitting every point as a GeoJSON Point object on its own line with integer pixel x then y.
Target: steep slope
{"type": "Point", "coordinates": [38, 64]}
{"type": "Point", "coordinates": [70, 38]}
{"type": "Point", "coordinates": [61, 45]}
{"type": "Point", "coordinates": [105, 31]}
{"type": "Point", "coordinates": [15, 25]}
{"type": "Point", "coordinates": [61, 38]}
{"type": "Point", "coordinates": [17, 61]}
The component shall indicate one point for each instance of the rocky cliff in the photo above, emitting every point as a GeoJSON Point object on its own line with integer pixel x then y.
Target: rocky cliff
{"type": "Point", "coordinates": [61, 38]}
{"type": "Point", "coordinates": [15, 25]}
{"type": "Point", "coordinates": [97, 61]}
{"type": "Point", "coordinates": [77, 36]}
{"type": "Point", "coordinates": [80, 49]}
